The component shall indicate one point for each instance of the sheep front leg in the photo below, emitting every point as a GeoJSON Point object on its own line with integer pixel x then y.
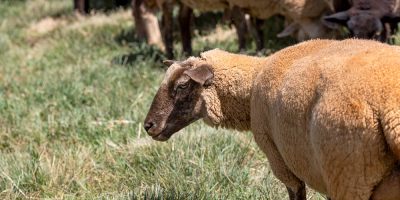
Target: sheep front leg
{"type": "Point", "coordinates": [258, 33]}
{"type": "Point", "coordinates": [138, 11]}
{"type": "Point", "coordinates": [389, 188]}
{"type": "Point", "coordinates": [299, 195]}
{"type": "Point", "coordinates": [146, 24]}
{"type": "Point", "coordinates": [296, 188]}
{"type": "Point", "coordinates": [82, 6]}
{"type": "Point", "coordinates": [387, 33]}
{"type": "Point", "coordinates": [167, 28]}
{"type": "Point", "coordinates": [185, 18]}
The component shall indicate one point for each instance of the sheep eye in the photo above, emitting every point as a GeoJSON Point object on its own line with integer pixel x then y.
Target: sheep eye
{"type": "Point", "coordinates": [183, 86]}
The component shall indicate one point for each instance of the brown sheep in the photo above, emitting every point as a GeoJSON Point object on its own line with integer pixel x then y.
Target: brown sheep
{"type": "Point", "coordinates": [326, 113]}
{"type": "Point", "coordinates": [304, 14]}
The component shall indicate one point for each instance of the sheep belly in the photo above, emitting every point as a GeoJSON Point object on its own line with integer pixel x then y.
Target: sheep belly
{"type": "Point", "coordinates": [205, 5]}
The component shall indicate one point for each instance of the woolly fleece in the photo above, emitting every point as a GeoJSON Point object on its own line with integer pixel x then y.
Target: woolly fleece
{"type": "Point", "coordinates": [324, 112]}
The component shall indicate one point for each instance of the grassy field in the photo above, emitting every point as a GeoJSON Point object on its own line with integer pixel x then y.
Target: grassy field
{"type": "Point", "coordinates": [73, 94]}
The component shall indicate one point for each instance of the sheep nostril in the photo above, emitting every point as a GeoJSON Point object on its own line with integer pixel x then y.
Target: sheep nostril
{"type": "Point", "coordinates": [148, 126]}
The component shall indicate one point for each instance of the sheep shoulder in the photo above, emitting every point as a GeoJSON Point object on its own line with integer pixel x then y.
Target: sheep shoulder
{"type": "Point", "coordinates": [228, 99]}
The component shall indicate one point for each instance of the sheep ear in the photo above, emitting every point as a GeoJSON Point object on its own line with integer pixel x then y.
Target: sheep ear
{"type": "Point", "coordinates": [202, 74]}
{"type": "Point", "coordinates": [289, 30]}
{"type": "Point", "coordinates": [338, 18]}
{"type": "Point", "coordinates": [390, 19]}
{"type": "Point", "coordinates": [168, 63]}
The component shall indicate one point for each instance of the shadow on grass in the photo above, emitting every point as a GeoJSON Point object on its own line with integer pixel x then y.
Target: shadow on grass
{"type": "Point", "coordinates": [96, 6]}
{"type": "Point", "coordinates": [158, 193]}
{"type": "Point", "coordinates": [141, 54]}
{"type": "Point", "coordinates": [108, 5]}
{"type": "Point", "coordinates": [139, 50]}
{"type": "Point", "coordinates": [127, 36]}
{"type": "Point", "coordinates": [272, 27]}
{"type": "Point", "coordinates": [207, 22]}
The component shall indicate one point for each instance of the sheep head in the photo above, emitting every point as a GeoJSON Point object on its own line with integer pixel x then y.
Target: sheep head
{"type": "Point", "coordinates": [178, 101]}
{"type": "Point", "coordinates": [361, 23]}
{"type": "Point", "coordinates": [365, 19]}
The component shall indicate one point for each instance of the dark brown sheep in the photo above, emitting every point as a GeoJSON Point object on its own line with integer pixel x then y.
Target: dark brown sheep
{"type": "Point", "coordinates": [368, 19]}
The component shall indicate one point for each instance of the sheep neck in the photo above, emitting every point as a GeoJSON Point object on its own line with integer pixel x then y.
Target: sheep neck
{"type": "Point", "coordinates": [227, 101]}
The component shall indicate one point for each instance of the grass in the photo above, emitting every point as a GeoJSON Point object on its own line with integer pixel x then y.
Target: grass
{"type": "Point", "coordinates": [73, 94]}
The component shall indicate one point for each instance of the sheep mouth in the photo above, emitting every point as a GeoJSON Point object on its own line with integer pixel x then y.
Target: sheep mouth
{"type": "Point", "coordinates": [164, 134]}
{"type": "Point", "coordinates": [170, 129]}
{"type": "Point", "coordinates": [161, 137]}
{"type": "Point", "coordinates": [167, 132]}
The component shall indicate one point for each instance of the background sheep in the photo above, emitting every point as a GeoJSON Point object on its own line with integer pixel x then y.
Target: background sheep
{"type": "Point", "coordinates": [303, 15]}
{"type": "Point", "coordinates": [185, 17]}
{"type": "Point", "coordinates": [305, 106]}
{"type": "Point", "coordinates": [369, 19]}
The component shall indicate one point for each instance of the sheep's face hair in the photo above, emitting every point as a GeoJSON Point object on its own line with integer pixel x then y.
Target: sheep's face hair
{"type": "Point", "coordinates": [361, 24]}
{"type": "Point", "coordinates": [178, 101]}
{"type": "Point", "coordinates": [365, 26]}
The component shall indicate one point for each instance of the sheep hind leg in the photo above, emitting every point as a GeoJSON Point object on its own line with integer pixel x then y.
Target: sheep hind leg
{"type": "Point", "coordinates": [351, 159]}
{"type": "Point", "coordinates": [391, 127]}
{"type": "Point", "coordinates": [389, 188]}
